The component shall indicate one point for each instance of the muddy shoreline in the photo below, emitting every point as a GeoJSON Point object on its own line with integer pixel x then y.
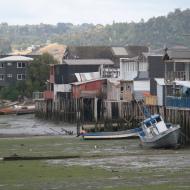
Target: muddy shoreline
{"type": "Point", "coordinates": [43, 157]}
{"type": "Point", "coordinates": [69, 163]}
{"type": "Point", "coordinates": [28, 126]}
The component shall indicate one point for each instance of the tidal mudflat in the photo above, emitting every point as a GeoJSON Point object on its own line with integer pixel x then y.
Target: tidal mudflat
{"type": "Point", "coordinates": [118, 164]}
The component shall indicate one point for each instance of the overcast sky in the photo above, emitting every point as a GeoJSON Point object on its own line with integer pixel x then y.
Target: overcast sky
{"type": "Point", "coordinates": [85, 11]}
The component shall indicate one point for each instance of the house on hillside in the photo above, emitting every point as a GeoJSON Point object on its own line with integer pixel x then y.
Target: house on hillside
{"type": "Point", "coordinates": [177, 74]}
{"type": "Point", "coordinates": [13, 69]}
{"type": "Point", "coordinates": [103, 52]}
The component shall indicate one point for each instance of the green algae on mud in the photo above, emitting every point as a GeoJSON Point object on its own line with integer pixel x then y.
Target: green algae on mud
{"type": "Point", "coordinates": [117, 165]}
{"type": "Point", "coordinates": [35, 174]}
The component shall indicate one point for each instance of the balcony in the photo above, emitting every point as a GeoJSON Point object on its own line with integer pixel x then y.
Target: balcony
{"type": "Point", "coordinates": [177, 75]}
{"type": "Point", "coordinates": [178, 102]}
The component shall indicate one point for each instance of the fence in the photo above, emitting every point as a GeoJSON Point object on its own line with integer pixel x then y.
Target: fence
{"type": "Point", "coordinates": [178, 102]}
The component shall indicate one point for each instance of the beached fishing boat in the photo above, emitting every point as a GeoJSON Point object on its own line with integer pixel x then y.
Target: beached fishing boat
{"type": "Point", "coordinates": [157, 134]}
{"type": "Point", "coordinates": [111, 135]}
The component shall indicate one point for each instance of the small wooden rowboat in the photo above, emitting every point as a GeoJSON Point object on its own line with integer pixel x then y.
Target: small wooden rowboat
{"type": "Point", "coordinates": [111, 135]}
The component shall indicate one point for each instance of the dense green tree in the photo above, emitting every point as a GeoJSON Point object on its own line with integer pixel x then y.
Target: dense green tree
{"type": "Point", "coordinates": [5, 46]}
{"type": "Point", "coordinates": [156, 32]}
{"type": "Point", "coordinates": [38, 73]}
{"type": "Point", "coordinates": [9, 93]}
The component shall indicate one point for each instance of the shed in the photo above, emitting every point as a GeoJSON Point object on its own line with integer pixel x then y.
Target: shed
{"type": "Point", "coordinates": [113, 89]}
{"type": "Point", "coordinates": [141, 87]}
{"type": "Point", "coordinates": [160, 91]}
{"type": "Point", "coordinates": [88, 89]}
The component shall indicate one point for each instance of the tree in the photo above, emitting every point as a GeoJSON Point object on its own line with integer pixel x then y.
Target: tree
{"type": "Point", "coordinates": [9, 93]}
{"type": "Point", "coordinates": [38, 73]}
{"type": "Point", "coordinates": [5, 46]}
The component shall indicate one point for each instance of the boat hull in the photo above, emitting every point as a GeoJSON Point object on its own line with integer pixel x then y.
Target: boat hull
{"type": "Point", "coordinates": [111, 135]}
{"type": "Point", "coordinates": [165, 140]}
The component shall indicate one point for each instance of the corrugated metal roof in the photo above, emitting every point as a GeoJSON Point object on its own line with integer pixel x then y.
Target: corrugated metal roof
{"type": "Point", "coordinates": [83, 82]}
{"type": "Point", "coordinates": [119, 51]}
{"type": "Point", "coordinates": [16, 58]}
{"type": "Point", "coordinates": [183, 83]}
{"type": "Point", "coordinates": [160, 81]}
{"type": "Point", "coordinates": [88, 62]}
{"type": "Point", "coordinates": [152, 54]}
{"type": "Point", "coordinates": [179, 53]}
{"type": "Point", "coordinates": [87, 76]}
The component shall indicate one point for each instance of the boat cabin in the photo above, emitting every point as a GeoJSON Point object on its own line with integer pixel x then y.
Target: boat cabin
{"type": "Point", "coordinates": [154, 125]}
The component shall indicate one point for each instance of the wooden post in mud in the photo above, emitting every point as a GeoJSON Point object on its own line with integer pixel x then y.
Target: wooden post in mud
{"type": "Point", "coordinates": [120, 109]}
{"type": "Point", "coordinates": [95, 110]}
{"type": "Point", "coordinates": [72, 110]}
{"type": "Point", "coordinates": [77, 116]}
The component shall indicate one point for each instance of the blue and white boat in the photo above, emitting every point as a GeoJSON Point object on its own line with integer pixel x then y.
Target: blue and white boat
{"type": "Point", "coordinates": [112, 135]}
{"type": "Point", "coordinates": [157, 134]}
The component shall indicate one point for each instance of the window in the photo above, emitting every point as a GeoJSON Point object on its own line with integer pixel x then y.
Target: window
{"type": "Point", "coordinates": [1, 65]}
{"type": "Point", "coordinates": [158, 119]}
{"type": "Point", "coordinates": [21, 65]}
{"type": "Point", "coordinates": [9, 75]}
{"type": "Point", "coordinates": [21, 76]}
{"type": "Point", "coordinates": [143, 66]}
{"type": "Point", "coordinates": [1, 77]}
{"type": "Point", "coordinates": [148, 123]}
{"type": "Point", "coordinates": [9, 64]}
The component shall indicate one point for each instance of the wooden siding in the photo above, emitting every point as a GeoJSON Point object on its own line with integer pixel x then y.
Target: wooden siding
{"type": "Point", "coordinates": [88, 89]}
{"type": "Point", "coordinates": [113, 90]}
{"type": "Point", "coordinates": [151, 100]}
{"type": "Point", "coordinates": [48, 95]}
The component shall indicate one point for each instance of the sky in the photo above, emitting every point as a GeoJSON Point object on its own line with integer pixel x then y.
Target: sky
{"type": "Point", "coordinates": [85, 11]}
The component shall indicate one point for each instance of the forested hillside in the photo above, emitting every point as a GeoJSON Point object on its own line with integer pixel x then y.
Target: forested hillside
{"type": "Point", "coordinates": [156, 32]}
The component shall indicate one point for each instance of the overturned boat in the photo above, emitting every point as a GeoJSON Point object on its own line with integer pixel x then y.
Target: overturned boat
{"type": "Point", "coordinates": [157, 134]}
{"type": "Point", "coordinates": [111, 135]}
